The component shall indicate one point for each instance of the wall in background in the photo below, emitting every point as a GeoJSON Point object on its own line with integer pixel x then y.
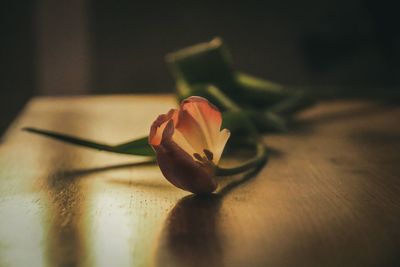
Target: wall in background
{"type": "Point", "coordinates": [17, 58]}
{"type": "Point", "coordinates": [86, 46]}
{"type": "Point", "coordinates": [335, 42]}
{"type": "Point", "coordinates": [63, 40]}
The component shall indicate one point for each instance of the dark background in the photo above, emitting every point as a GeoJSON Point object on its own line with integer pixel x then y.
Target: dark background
{"type": "Point", "coordinates": [88, 47]}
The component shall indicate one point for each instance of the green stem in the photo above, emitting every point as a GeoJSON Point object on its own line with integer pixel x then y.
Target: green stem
{"type": "Point", "coordinates": [230, 105]}
{"type": "Point", "coordinates": [261, 154]}
{"type": "Point", "coordinates": [222, 98]}
{"type": "Point", "coordinates": [258, 160]}
{"type": "Point", "coordinates": [347, 92]}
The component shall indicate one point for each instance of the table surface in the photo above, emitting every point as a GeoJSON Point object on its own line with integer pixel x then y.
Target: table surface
{"type": "Point", "coordinates": [329, 195]}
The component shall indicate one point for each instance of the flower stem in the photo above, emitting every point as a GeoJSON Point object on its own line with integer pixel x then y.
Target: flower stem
{"type": "Point", "coordinates": [230, 105]}
{"type": "Point", "coordinates": [347, 92]}
{"type": "Point", "coordinates": [261, 152]}
{"type": "Point", "coordinates": [258, 160]}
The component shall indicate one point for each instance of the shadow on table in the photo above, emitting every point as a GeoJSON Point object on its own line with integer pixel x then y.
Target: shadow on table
{"type": "Point", "coordinates": [65, 239]}
{"type": "Point", "coordinates": [305, 125]}
{"type": "Point", "coordinates": [190, 235]}
{"type": "Point", "coordinates": [80, 173]}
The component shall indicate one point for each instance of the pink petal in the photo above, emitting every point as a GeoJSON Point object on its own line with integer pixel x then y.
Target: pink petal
{"type": "Point", "coordinates": [179, 167]}
{"type": "Point", "coordinates": [184, 139]}
{"type": "Point", "coordinates": [191, 131]}
{"type": "Point", "coordinates": [206, 115]}
{"type": "Point", "coordinates": [158, 126]}
{"type": "Point", "coordinates": [222, 139]}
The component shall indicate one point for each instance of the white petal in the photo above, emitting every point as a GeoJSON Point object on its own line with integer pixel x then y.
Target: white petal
{"type": "Point", "coordinates": [192, 131]}
{"type": "Point", "coordinates": [219, 148]}
{"type": "Point", "coordinates": [181, 141]}
{"type": "Point", "coordinates": [207, 116]}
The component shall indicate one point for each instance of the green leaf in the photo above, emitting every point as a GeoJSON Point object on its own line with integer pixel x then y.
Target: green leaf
{"type": "Point", "coordinates": [208, 63]}
{"type": "Point", "coordinates": [268, 121]}
{"type": "Point", "coordinates": [259, 92]}
{"type": "Point", "coordinates": [250, 81]}
{"type": "Point", "coordinates": [295, 103]}
{"type": "Point", "coordinates": [138, 147]}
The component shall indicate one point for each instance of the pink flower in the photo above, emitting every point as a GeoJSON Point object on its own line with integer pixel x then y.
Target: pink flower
{"type": "Point", "coordinates": [189, 143]}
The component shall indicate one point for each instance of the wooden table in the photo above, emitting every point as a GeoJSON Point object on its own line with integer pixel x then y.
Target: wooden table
{"type": "Point", "coordinates": [329, 196]}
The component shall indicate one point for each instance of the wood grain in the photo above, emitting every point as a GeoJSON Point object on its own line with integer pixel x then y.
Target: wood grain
{"type": "Point", "coordinates": [329, 195]}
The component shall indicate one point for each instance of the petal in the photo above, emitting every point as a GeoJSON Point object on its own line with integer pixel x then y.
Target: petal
{"type": "Point", "coordinates": [181, 141]}
{"type": "Point", "coordinates": [180, 169]}
{"type": "Point", "coordinates": [222, 139]}
{"type": "Point", "coordinates": [169, 133]}
{"type": "Point", "coordinates": [158, 126]}
{"type": "Point", "coordinates": [191, 131]}
{"type": "Point", "coordinates": [207, 116]}
{"type": "Point", "coordinates": [181, 136]}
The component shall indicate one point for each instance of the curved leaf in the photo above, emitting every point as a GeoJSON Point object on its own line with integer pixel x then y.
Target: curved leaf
{"type": "Point", "coordinates": [138, 147]}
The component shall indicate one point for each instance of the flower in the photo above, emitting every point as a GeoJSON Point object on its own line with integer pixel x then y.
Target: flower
{"type": "Point", "coordinates": [189, 143]}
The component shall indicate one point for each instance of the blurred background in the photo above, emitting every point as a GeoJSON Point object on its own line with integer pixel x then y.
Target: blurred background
{"type": "Point", "coordinates": [69, 47]}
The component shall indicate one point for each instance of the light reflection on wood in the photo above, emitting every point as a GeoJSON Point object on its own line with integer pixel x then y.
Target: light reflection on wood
{"type": "Point", "coordinates": [66, 202]}
{"type": "Point", "coordinates": [66, 206]}
{"type": "Point", "coordinates": [22, 231]}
